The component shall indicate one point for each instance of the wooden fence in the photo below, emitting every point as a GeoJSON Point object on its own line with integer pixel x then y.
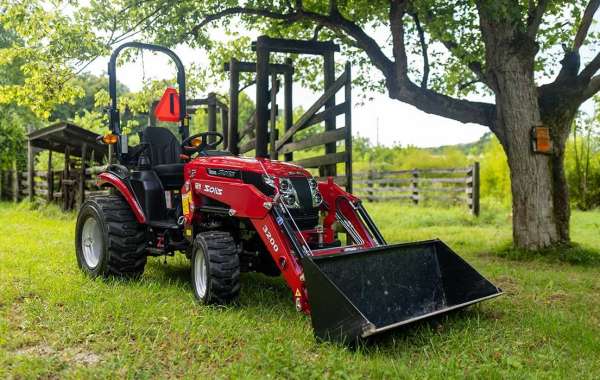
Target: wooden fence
{"type": "Point", "coordinates": [67, 189]}
{"type": "Point", "coordinates": [452, 185]}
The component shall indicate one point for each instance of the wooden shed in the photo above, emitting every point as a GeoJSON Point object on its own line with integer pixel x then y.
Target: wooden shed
{"type": "Point", "coordinates": [81, 150]}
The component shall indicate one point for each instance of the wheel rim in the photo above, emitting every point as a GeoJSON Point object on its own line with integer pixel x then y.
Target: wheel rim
{"type": "Point", "coordinates": [91, 242]}
{"type": "Point", "coordinates": [200, 277]}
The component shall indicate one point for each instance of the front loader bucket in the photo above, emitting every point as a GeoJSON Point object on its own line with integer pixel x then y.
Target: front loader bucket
{"type": "Point", "coordinates": [357, 294]}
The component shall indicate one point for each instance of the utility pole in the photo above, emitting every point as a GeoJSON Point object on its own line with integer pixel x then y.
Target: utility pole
{"type": "Point", "coordinates": [377, 128]}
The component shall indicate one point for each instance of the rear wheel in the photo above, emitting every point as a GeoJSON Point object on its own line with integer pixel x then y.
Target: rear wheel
{"type": "Point", "coordinates": [108, 239]}
{"type": "Point", "coordinates": [215, 272]}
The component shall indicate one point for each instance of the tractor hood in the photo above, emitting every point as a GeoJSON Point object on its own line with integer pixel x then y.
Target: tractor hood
{"type": "Point", "coordinates": [258, 165]}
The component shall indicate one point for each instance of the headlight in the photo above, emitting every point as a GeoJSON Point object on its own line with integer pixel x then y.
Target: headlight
{"type": "Point", "coordinates": [290, 200]}
{"type": "Point", "coordinates": [286, 188]}
{"type": "Point", "coordinates": [268, 180]}
{"type": "Point", "coordinates": [317, 198]}
{"type": "Point", "coordinates": [285, 185]}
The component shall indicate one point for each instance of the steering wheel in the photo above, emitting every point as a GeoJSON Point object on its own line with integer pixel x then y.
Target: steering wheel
{"type": "Point", "coordinates": [204, 145]}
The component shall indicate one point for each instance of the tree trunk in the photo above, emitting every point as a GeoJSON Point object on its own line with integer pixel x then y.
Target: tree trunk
{"type": "Point", "coordinates": [539, 197]}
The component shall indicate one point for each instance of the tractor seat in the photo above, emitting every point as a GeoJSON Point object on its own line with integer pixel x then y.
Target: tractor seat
{"type": "Point", "coordinates": [164, 156]}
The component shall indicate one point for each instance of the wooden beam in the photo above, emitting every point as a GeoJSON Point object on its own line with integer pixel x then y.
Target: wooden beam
{"type": "Point", "coordinates": [225, 127]}
{"type": "Point", "coordinates": [65, 179]}
{"type": "Point", "coordinates": [81, 184]}
{"type": "Point", "coordinates": [30, 171]}
{"type": "Point", "coordinates": [331, 91]}
{"type": "Point", "coordinates": [273, 117]}
{"type": "Point", "coordinates": [50, 178]}
{"type": "Point", "coordinates": [262, 96]}
{"type": "Point", "coordinates": [317, 162]}
{"type": "Point", "coordinates": [288, 116]}
{"type": "Point", "coordinates": [314, 140]}
{"type": "Point", "coordinates": [16, 181]}
{"type": "Point", "coordinates": [250, 67]}
{"type": "Point", "coordinates": [212, 115]}
{"type": "Point", "coordinates": [248, 146]}
{"type": "Point", "coordinates": [329, 79]}
{"type": "Point", "coordinates": [475, 192]}
{"type": "Point", "coordinates": [327, 114]}
{"type": "Point", "coordinates": [348, 126]}
{"type": "Point", "coordinates": [151, 116]}
{"type": "Point", "coordinates": [234, 85]}
{"type": "Point", "coordinates": [248, 127]}
{"type": "Point", "coordinates": [281, 45]}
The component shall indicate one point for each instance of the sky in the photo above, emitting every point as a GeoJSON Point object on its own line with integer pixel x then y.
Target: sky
{"type": "Point", "coordinates": [383, 120]}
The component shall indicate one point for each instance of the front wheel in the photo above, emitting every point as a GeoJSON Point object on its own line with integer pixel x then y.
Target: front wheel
{"type": "Point", "coordinates": [215, 272]}
{"type": "Point", "coordinates": [108, 239]}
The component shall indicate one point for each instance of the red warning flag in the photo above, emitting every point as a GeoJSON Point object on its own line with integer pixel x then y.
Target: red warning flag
{"type": "Point", "coordinates": [168, 107]}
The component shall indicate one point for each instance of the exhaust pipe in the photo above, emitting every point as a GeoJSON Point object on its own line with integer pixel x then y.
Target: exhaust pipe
{"type": "Point", "coordinates": [358, 294]}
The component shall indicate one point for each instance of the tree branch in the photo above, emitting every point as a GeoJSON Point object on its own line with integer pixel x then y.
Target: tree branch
{"type": "Point", "coordinates": [592, 88]}
{"type": "Point", "coordinates": [453, 47]}
{"type": "Point", "coordinates": [423, 43]}
{"type": "Point", "coordinates": [335, 22]}
{"type": "Point", "coordinates": [402, 88]}
{"type": "Point", "coordinates": [592, 67]}
{"type": "Point", "coordinates": [535, 15]}
{"type": "Point", "coordinates": [586, 22]}
{"type": "Point", "coordinates": [195, 31]}
{"type": "Point", "coordinates": [396, 73]}
{"type": "Point", "coordinates": [316, 32]}
{"type": "Point", "coordinates": [469, 83]}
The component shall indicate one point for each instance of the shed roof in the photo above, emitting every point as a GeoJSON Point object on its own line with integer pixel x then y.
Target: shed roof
{"type": "Point", "coordinates": [58, 136]}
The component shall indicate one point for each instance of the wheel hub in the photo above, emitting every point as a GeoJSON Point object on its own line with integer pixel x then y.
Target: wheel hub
{"type": "Point", "coordinates": [200, 274]}
{"type": "Point", "coordinates": [91, 242]}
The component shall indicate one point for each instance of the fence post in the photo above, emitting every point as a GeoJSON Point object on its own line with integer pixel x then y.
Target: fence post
{"type": "Point", "coordinates": [415, 186]}
{"type": "Point", "coordinates": [225, 128]}
{"type": "Point", "coordinates": [370, 178]}
{"type": "Point", "coordinates": [50, 177]}
{"type": "Point", "coordinates": [16, 182]}
{"type": "Point", "coordinates": [234, 86]}
{"type": "Point", "coordinates": [273, 117]}
{"type": "Point", "coordinates": [212, 115]}
{"type": "Point", "coordinates": [474, 197]}
{"type": "Point", "coordinates": [30, 171]}
{"type": "Point", "coordinates": [288, 111]}
{"type": "Point", "coordinates": [82, 175]}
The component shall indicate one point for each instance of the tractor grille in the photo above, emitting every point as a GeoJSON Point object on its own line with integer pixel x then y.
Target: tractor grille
{"type": "Point", "coordinates": [307, 216]}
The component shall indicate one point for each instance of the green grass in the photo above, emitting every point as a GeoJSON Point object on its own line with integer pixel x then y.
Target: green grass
{"type": "Point", "coordinates": [56, 323]}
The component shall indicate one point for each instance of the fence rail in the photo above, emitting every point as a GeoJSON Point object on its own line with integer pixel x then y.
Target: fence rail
{"type": "Point", "coordinates": [455, 185]}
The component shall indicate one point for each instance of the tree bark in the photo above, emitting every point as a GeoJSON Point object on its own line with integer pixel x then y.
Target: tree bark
{"type": "Point", "coordinates": [539, 189]}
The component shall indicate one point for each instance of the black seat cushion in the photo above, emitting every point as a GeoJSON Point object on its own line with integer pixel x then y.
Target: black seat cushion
{"type": "Point", "coordinates": [164, 146]}
{"type": "Point", "coordinates": [171, 175]}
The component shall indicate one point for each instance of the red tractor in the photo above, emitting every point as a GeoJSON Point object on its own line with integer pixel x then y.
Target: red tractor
{"type": "Point", "coordinates": [232, 214]}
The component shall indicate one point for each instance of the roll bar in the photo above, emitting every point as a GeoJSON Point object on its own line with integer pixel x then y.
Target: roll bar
{"type": "Point", "coordinates": [115, 122]}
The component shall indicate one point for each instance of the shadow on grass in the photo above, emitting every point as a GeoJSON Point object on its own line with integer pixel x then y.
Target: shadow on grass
{"type": "Point", "coordinates": [572, 253]}
{"type": "Point", "coordinates": [258, 290]}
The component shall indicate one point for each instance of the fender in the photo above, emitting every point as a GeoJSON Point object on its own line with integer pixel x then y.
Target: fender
{"type": "Point", "coordinates": [112, 180]}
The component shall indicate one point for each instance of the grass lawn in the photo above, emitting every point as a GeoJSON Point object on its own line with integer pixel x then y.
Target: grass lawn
{"type": "Point", "coordinates": [55, 322]}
